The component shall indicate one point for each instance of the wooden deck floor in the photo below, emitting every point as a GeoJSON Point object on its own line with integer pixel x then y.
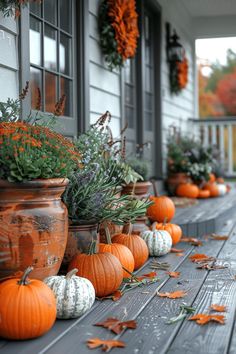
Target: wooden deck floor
{"type": "Point", "coordinates": [151, 312]}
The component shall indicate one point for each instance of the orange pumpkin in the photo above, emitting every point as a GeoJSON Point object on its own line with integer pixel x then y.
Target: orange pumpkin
{"type": "Point", "coordinates": [103, 270]}
{"type": "Point", "coordinates": [174, 230]}
{"type": "Point", "coordinates": [212, 188]}
{"type": "Point", "coordinates": [162, 209]}
{"type": "Point", "coordinates": [27, 308]}
{"type": "Point", "coordinates": [212, 178]}
{"type": "Point", "coordinates": [187, 190]}
{"type": "Point", "coordinates": [124, 255]}
{"type": "Point", "coordinates": [220, 180]}
{"type": "Point", "coordinates": [204, 193]}
{"type": "Point", "coordinates": [136, 245]}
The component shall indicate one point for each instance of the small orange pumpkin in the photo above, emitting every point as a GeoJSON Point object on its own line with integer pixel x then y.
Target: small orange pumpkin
{"type": "Point", "coordinates": [203, 194]}
{"type": "Point", "coordinates": [162, 209]}
{"type": "Point", "coordinates": [220, 180]}
{"type": "Point", "coordinates": [212, 188]}
{"type": "Point", "coordinates": [174, 230]}
{"type": "Point", "coordinates": [136, 245]}
{"type": "Point", "coordinates": [212, 178]}
{"type": "Point", "coordinates": [187, 190]}
{"type": "Point", "coordinates": [27, 308]}
{"type": "Point", "coordinates": [103, 270]}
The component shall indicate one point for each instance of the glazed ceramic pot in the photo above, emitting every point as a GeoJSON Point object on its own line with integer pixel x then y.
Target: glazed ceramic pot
{"type": "Point", "coordinates": [139, 189]}
{"type": "Point", "coordinates": [80, 237]}
{"type": "Point", "coordinates": [33, 226]}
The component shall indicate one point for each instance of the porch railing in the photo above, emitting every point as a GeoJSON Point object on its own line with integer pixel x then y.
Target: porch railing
{"type": "Point", "coordinates": [219, 132]}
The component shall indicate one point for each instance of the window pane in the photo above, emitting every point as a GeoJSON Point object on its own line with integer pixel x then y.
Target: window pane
{"type": "Point", "coordinates": [35, 8]}
{"type": "Point", "coordinates": [129, 116]}
{"type": "Point", "coordinates": [35, 41]}
{"type": "Point", "coordinates": [128, 71]}
{"type": "Point", "coordinates": [148, 101]}
{"type": "Point", "coordinates": [66, 89]}
{"type": "Point", "coordinates": [36, 88]}
{"type": "Point", "coordinates": [65, 55]}
{"type": "Point", "coordinates": [65, 15]}
{"type": "Point", "coordinates": [50, 11]}
{"type": "Point", "coordinates": [129, 95]}
{"type": "Point", "coordinates": [148, 121]}
{"type": "Point", "coordinates": [148, 79]}
{"type": "Point", "coordinates": [50, 48]}
{"type": "Point", "coordinates": [50, 92]}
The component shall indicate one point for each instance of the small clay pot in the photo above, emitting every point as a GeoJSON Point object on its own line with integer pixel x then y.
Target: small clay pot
{"type": "Point", "coordinates": [139, 189]}
{"type": "Point", "coordinates": [174, 180]}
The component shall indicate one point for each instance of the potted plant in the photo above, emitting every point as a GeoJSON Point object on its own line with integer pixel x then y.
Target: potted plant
{"type": "Point", "coordinates": [34, 165]}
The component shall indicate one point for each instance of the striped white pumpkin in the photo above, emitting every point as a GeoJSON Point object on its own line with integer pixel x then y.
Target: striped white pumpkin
{"type": "Point", "coordinates": [222, 189]}
{"type": "Point", "coordinates": [74, 295]}
{"type": "Point", "coordinates": [159, 242]}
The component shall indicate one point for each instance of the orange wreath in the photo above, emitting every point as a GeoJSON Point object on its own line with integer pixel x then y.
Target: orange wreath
{"type": "Point", "coordinates": [123, 16]}
{"type": "Point", "coordinates": [182, 73]}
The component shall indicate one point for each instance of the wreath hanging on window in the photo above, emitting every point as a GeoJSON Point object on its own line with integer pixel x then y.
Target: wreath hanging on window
{"type": "Point", "coordinates": [118, 28]}
{"type": "Point", "coordinates": [178, 75]}
{"type": "Point", "coordinates": [12, 7]}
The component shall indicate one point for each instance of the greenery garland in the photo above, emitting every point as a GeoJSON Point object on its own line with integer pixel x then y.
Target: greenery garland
{"type": "Point", "coordinates": [178, 75]}
{"type": "Point", "coordinates": [12, 7]}
{"type": "Point", "coordinates": [118, 29]}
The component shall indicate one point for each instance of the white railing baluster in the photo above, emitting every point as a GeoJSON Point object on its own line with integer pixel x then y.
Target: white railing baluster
{"type": "Point", "coordinates": [213, 134]}
{"type": "Point", "coordinates": [222, 145]}
{"type": "Point", "coordinates": [205, 135]}
{"type": "Point", "coordinates": [230, 150]}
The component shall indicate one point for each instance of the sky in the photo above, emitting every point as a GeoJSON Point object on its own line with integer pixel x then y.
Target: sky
{"type": "Point", "coordinates": [213, 49]}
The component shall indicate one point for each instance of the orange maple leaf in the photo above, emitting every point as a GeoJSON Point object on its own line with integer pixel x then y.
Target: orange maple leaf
{"type": "Point", "coordinates": [194, 241]}
{"type": "Point", "coordinates": [148, 275]}
{"type": "Point", "coordinates": [115, 325]}
{"type": "Point", "coordinates": [173, 274]}
{"type": "Point", "coordinates": [219, 237]}
{"type": "Point", "coordinates": [179, 254]}
{"type": "Point", "coordinates": [174, 295]}
{"type": "Point", "coordinates": [218, 308]}
{"type": "Point", "coordinates": [202, 318]}
{"type": "Point", "coordinates": [105, 344]}
{"type": "Point", "coordinates": [176, 250]}
{"type": "Point", "coordinates": [116, 295]}
{"type": "Point", "coordinates": [200, 257]}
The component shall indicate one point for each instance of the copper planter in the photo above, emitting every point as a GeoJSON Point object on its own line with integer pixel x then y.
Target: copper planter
{"type": "Point", "coordinates": [33, 226]}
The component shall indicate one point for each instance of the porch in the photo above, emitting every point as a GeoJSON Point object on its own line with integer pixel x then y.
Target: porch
{"type": "Point", "coordinates": [203, 288]}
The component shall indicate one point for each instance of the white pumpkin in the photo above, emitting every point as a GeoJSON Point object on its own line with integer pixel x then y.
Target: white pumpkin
{"type": "Point", "coordinates": [159, 242]}
{"type": "Point", "coordinates": [222, 189]}
{"type": "Point", "coordinates": [74, 295]}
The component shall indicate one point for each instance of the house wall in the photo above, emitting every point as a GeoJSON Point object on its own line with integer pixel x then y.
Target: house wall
{"type": "Point", "coordinates": [8, 59]}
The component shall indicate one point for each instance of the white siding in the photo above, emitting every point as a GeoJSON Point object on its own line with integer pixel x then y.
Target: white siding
{"type": "Point", "coordinates": [105, 85]}
{"type": "Point", "coordinates": [8, 59]}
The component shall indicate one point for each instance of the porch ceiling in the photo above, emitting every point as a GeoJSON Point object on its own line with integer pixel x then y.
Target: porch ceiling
{"type": "Point", "coordinates": [202, 8]}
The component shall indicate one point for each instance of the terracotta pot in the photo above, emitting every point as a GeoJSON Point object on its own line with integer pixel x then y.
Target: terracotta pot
{"type": "Point", "coordinates": [174, 180]}
{"type": "Point", "coordinates": [80, 237]}
{"type": "Point", "coordinates": [138, 226]}
{"type": "Point", "coordinates": [140, 189]}
{"type": "Point", "coordinates": [33, 226]}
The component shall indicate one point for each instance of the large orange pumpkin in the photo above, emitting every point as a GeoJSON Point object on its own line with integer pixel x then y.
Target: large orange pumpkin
{"type": "Point", "coordinates": [203, 193]}
{"type": "Point", "coordinates": [27, 308]}
{"type": "Point", "coordinates": [212, 188]}
{"type": "Point", "coordinates": [103, 270]}
{"type": "Point", "coordinates": [162, 209]}
{"type": "Point", "coordinates": [122, 252]}
{"type": "Point", "coordinates": [136, 245]}
{"type": "Point", "coordinates": [212, 178]}
{"type": "Point", "coordinates": [174, 230]}
{"type": "Point", "coordinates": [187, 190]}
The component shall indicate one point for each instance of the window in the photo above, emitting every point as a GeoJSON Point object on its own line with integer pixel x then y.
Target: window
{"type": "Point", "coordinates": [141, 89]}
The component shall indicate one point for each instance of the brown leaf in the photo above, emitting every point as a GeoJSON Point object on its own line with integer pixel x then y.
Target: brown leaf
{"type": "Point", "coordinates": [218, 308]}
{"type": "Point", "coordinates": [179, 254]}
{"type": "Point", "coordinates": [145, 276]}
{"type": "Point", "coordinates": [173, 274]}
{"type": "Point", "coordinates": [200, 257]}
{"type": "Point", "coordinates": [194, 241]}
{"type": "Point", "coordinates": [105, 344]}
{"type": "Point", "coordinates": [174, 295]}
{"type": "Point", "coordinates": [218, 237]}
{"type": "Point", "coordinates": [202, 318]}
{"type": "Point", "coordinates": [176, 250]}
{"type": "Point", "coordinates": [116, 295]}
{"type": "Point", "coordinates": [207, 266]}
{"type": "Point", "coordinates": [115, 325]}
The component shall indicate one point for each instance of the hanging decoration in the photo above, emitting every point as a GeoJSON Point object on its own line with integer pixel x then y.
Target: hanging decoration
{"type": "Point", "coordinates": [118, 28]}
{"type": "Point", "coordinates": [178, 75]}
{"type": "Point", "coordinates": [13, 7]}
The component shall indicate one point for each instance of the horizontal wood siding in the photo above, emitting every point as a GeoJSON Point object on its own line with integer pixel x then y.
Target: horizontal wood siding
{"type": "Point", "coordinates": [8, 59]}
{"type": "Point", "coordinates": [105, 85]}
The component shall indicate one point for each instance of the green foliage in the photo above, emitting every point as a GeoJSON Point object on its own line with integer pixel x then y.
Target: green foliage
{"type": "Point", "coordinates": [10, 110]}
{"type": "Point", "coordinates": [140, 166]}
{"type": "Point", "coordinates": [107, 38]}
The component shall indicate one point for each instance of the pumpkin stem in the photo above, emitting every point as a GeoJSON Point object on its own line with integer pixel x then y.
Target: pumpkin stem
{"type": "Point", "coordinates": [130, 226]}
{"type": "Point", "coordinates": [165, 221]}
{"type": "Point", "coordinates": [71, 273]}
{"type": "Point", "coordinates": [154, 226]}
{"type": "Point", "coordinates": [154, 188]}
{"type": "Point", "coordinates": [132, 275]}
{"type": "Point", "coordinates": [23, 280]}
{"type": "Point", "coordinates": [92, 248]}
{"type": "Point", "coordinates": [107, 233]}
